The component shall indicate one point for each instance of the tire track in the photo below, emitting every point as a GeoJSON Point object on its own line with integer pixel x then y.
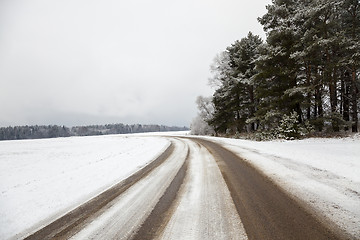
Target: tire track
{"type": "Point", "coordinates": [161, 214]}
{"type": "Point", "coordinates": [203, 208]}
{"type": "Point", "coordinates": [124, 217]}
{"type": "Point", "coordinates": [69, 224]}
{"type": "Point", "coordinates": [196, 189]}
{"type": "Point", "coordinates": [266, 211]}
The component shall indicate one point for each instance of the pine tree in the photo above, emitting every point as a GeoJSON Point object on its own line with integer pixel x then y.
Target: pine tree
{"type": "Point", "coordinates": [234, 100]}
{"type": "Point", "coordinates": [277, 68]}
{"type": "Point", "coordinates": [309, 64]}
{"type": "Point", "coordinates": [351, 34]}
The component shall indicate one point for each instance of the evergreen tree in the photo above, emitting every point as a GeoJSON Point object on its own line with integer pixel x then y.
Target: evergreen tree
{"type": "Point", "coordinates": [277, 68]}
{"type": "Point", "coordinates": [310, 64]}
{"type": "Point", "coordinates": [350, 26]}
{"type": "Point", "coordinates": [234, 100]}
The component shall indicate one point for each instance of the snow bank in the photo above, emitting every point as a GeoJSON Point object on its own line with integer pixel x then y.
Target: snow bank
{"type": "Point", "coordinates": [323, 172]}
{"type": "Point", "coordinates": [164, 134]}
{"type": "Point", "coordinates": [40, 180]}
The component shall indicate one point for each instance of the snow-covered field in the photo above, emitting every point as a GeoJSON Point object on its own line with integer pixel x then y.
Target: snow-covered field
{"type": "Point", "coordinates": [42, 179]}
{"type": "Point", "coordinates": [323, 172]}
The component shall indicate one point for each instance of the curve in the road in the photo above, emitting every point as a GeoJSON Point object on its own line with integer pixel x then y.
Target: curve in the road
{"type": "Point", "coordinates": [204, 209]}
{"type": "Point", "coordinates": [200, 207]}
{"type": "Point", "coordinates": [161, 214]}
{"type": "Point", "coordinates": [196, 189]}
{"type": "Point", "coordinates": [128, 211]}
{"type": "Point", "coordinates": [70, 223]}
{"type": "Point", "coordinates": [267, 212]}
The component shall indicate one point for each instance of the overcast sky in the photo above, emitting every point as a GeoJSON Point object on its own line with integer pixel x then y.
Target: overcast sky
{"type": "Point", "coordinates": [80, 62]}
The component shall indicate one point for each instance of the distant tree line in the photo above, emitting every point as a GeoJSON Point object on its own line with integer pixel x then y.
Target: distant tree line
{"type": "Point", "coordinates": [305, 74]}
{"type": "Point", "coordinates": [53, 131]}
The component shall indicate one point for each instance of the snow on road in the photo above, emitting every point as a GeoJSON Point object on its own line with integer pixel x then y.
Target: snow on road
{"type": "Point", "coordinates": [132, 207]}
{"type": "Point", "coordinates": [40, 180]}
{"type": "Point", "coordinates": [205, 208]}
{"type": "Point", "coordinates": [325, 173]}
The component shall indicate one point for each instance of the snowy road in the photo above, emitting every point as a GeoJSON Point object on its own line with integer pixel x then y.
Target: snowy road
{"type": "Point", "coordinates": [204, 208]}
{"type": "Point", "coordinates": [268, 212]}
{"type": "Point", "coordinates": [184, 197]}
{"type": "Point", "coordinates": [195, 190]}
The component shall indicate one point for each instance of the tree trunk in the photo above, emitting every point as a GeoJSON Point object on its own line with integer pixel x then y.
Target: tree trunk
{"type": "Point", "coordinates": [318, 111]}
{"type": "Point", "coordinates": [346, 97]}
{"type": "Point", "coordinates": [252, 106]}
{"type": "Point", "coordinates": [320, 104]}
{"type": "Point", "coordinates": [342, 94]}
{"type": "Point", "coordinates": [308, 97]}
{"type": "Point", "coordinates": [354, 14]}
{"type": "Point", "coordinates": [299, 112]}
{"type": "Point", "coordinates": [354, 126]}
{"type": "Point", "coordinates": [333, 100]}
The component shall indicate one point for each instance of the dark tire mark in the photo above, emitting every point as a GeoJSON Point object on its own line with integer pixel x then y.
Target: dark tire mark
{"type": "Point", "coordinates": [267, 212]}
{"type": "Point", "coordinates": [161, 214]}
{"type": "Point", "coordinates": [72, 222]}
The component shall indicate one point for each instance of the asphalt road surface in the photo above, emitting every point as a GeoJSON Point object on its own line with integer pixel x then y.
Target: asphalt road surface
{"type": "Point", "coordinates": [196, 189]}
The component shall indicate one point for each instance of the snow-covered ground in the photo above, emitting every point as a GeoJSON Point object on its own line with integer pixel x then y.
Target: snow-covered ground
{"type": "Point", "coordinates": [127, 212]}
{"type": "Point", "coordinates": [204, 208]}
{"type": "Point", "coordinates": [323, 172]}
{"type": "Point", "coordinates": [42, 179]}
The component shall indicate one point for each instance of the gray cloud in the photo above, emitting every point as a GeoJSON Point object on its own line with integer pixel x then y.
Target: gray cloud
{"type": "Point", "coordinates": [85, 62]}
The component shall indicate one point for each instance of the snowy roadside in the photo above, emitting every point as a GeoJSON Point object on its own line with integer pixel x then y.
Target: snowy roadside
{"type": "Point", "coordinates": [162, 134]}
{"type": "Point", "coordinates": [124, 215]}
{"type": "Point", "coordinates": [325, 173]}
{"type": "Point", "coordinates": [205, 209]}
{"type": "Point", "coordinates": [40, 180]}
